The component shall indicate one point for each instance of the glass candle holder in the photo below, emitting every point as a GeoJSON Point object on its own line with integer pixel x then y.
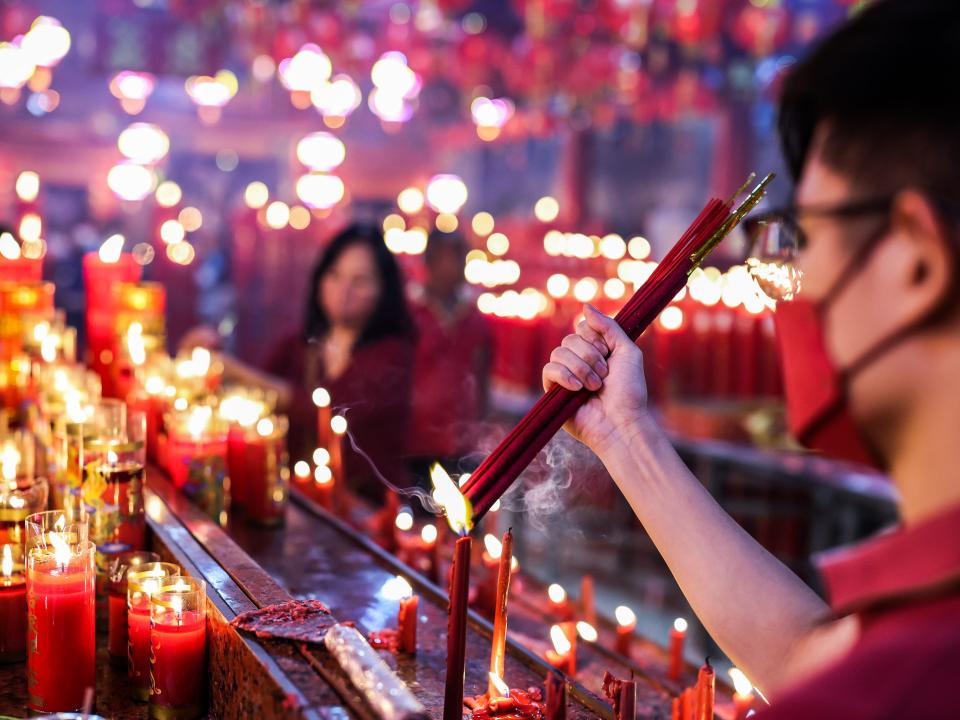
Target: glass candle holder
{"type": "Point", "coordinates": [68, 462]}
{"type": "Point", "coordinates": [150, 397]}
{"type": "Point", "coordinates": [178, 641]}
{"type": "Point", "coordinates": [44, 530]}
{"type": "Point", "coordinates": [18, 458]}
{"type": "Point", "coordinates": [196, 452]}
{"type": "Point", "coordinates": [117, 600]}
{"type": "Point", "coordinates": [241, 408]}
{"type": "Point", "coordinates": [141, 584]}
{"type": "Point", "coordinates": [13, 604]}
{"type": "Point", "coordinates": [267, 467]}
{"type": "Point", "coordinates": [61, 641]}
{"type": "Point", "coordinates": [16, 504]}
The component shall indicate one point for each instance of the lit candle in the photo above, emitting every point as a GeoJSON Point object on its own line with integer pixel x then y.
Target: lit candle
{"type": "Point", "coordinates": [499, 637]}
{"type": "Point", "coordinates": [706, 691]}
{"type": "Point", "coordinates": [428, 535]}
{"type": "Point", "coordinates": [178, 649]}
{"type": "Point", "coordinates": [555, 705]}
{"type": "Point", "coordinates": [117, 601]}
{"type": "Point", "coordinates": [141, 584]}
{"type": "Point", "coordinates": [196, 454]}
{"type": "Point", "coordinates": [587, 600]}
{"type": "Point", "coordinates": [321, 398]}
{"type": "Point", "coordinates": [267, 471]}
{"type": "Point", "coordinates": [626, 624]}
{"type": "Point", "coordinates": [61, 607]}
{"type": "Point", "coordinates": [678, 634]}
{"type": "Point", "coordinates": [457, 630]}
{"type": "Point", "coordinates": [564, 653]}
{"type": "Point", "coordinates": [742, 694]}
{"type": "Point", "coordinates": [323, 486]}
{"type": "Point", "coordinates": [628, 700]}
{"type": "Point", "coordinates": [13, 607]}
{"type": "Point", "coordinates": [559, 605]}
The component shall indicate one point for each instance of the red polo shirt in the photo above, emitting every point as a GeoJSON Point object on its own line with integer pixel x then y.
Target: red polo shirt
{"type": "Point", "coordinates": [905, 588]}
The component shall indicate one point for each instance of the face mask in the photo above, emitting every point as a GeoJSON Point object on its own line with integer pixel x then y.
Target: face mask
{"type": "Point", "coordinates": [818, 409]}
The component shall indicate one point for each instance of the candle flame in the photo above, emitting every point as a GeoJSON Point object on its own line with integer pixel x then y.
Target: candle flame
{"type": "Point", "coordinates": [494, 547]}
{"type": "Point", "coordinates": [587, 631]}
{"type": "Point", "coordinates": [625, 616]}
{"type": "Point", "coordinates": [503, 690]}
{"type": "Point", "coordinates": [338, 423]}
{"type": "Point", "coordinates": [396, 588]}
{"type": "Point", "coordinates": [112, 457]}
{"type": "Point", "coordinates": [404, 520]}
{"type": "Point", "coordinates": [200, 357]}
{"type": "Point", "coordinates": [198, 420]}
{"type": "Point", "coordinates": [741, 684]}
{"type": "Point", "coordinates": [41, 330]}
{"type": "Point", "coordinates": [136, 347]}
{"type": "Point", "coordinates": [514, 564]}
{"type": "Point", "coordinates": [61, 550]}
{"type": "Point", "coordinates": [111, 249]}
{"type": "Point", "coordinates": [176, 603]}
{"type": "Point", "coordinates": [61, 524]}
{"type": "Point", "coordinates": [6, 566]}
{"type": "Point", "coordinates": [680, 625]}
{"type": "Point", "coordinates": [9, 461]}
{"type": "Point", "coordinates": [321, 397]}
{"type": "Point", "coordinates": [323, 475]}
{"type": "Point", "coordinates": [155, 385]}
{"type": "Point", "coordinates": [556, 593]}
{"type": "Point", "coordinates": [48, 348]}
{"type": "Point", "coordinates": [9, 247]}
{"type": "Point", "coordinates": [448, 496]}
{"type": "Point", "coordinates": [264, 427]}
{"type": "Point", "coordinates": [321, 456]}
{"type": "Point", "coordinates": [429, 533]}
{"type": "Point", "coordinates": [561, 643]}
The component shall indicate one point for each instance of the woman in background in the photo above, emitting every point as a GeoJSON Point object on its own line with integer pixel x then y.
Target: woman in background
{"type": "Point", "coordinates": [358, 343]}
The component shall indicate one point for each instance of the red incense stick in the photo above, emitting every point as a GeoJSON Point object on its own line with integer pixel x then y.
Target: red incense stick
{"type": "Point", "coordinates": [457, 630]}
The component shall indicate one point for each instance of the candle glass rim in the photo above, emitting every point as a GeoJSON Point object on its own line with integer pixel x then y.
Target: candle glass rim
{"type": "Point", "coordinates": [85, 549]}
{"type": "Point", "coordinates": [192, 597]}
{"type": "Point", "coordinates": [34, 531]}
{"type": "Point", "coordinates": [134, 584]}
{"type": "Point", "coordinates": [119, 559]}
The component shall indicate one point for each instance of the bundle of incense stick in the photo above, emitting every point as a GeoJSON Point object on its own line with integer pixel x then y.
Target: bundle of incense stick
{"type": "Point", "coordinates": [502, 467]}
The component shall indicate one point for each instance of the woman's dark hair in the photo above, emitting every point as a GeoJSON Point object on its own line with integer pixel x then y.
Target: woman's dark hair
{"type": "Point", "coordinates": [390, 316]}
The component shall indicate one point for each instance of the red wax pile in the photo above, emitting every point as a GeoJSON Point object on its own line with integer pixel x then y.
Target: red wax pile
{"type": "Point", "coordinates": [520, 705]}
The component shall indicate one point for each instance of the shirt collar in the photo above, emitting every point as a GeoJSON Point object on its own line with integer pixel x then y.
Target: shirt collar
{"type": "Point", "coordinates": [895, 566]}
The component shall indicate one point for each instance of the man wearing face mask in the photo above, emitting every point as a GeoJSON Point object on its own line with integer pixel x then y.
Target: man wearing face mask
{"type": "Point", "coordinates": [869, 325]}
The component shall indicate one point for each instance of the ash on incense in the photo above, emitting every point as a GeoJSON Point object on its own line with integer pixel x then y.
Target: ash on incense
{"type": "Point", "coordinates": [516, 705]}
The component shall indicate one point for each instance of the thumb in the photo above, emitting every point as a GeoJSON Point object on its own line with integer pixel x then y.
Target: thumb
{"type": "Point", "coordinates": [612, 334]}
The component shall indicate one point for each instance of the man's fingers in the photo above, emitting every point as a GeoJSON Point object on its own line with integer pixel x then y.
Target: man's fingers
{"type": "Point", "coordinates": [612, 334]}
{"type": "Point", "coordinates": [557, 374]}
{"type": "Point", "coordinates": [578, 366]}
{"type": "Point", "coordinates": [588, 352]}
{"type": "Point", "coordinates": [592, 337]}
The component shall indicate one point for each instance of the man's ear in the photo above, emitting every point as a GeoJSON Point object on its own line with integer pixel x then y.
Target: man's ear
{"type": "Point", "coordinates": [929, 258]}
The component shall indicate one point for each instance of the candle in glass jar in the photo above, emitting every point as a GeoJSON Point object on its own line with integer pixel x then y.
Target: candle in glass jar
{"type": "Point", "coordinates": [117, 601]}
{"type": "Point", "coordinates": [178, 649]}
{"type": "Point", "coordinates": [61, 641]}
{"type": "Point", "coordinates": [13, 606]}
{"type": "Point", "coordinates": [141, 584]}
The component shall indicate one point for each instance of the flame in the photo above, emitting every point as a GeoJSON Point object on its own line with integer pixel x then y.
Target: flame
{"type": "Point", "coordinates": [265, 427]}
{"type": "Point", "coordinates": [61, 550]}
{"type": "Point", "coordinates": [680, 625]}
{"type": "Point", "coordinates": [176, 604]}
{"type": "Point", "coordinates": [200, 358]}
{"type": "Point", "coordinates": [429, 533]}
{"type": "Point", "coordinates": [396, 588]}
{"type": "Point", "coordinates": [136, 346]}
{"type": "Point", "coordinates": [111, 249]}
{"type": "Point", "coordinates": [494, 547]}
{"type": "Point", "coordinates": [625, 616]}
{"type": "Point", "coordinates": [9, 461]}
{"type": "Point", "coordinates": [9, 247]}
{"type": "Point", "coordinates": [321, 456]}
{"type": "Point", "coordinates": [338, 423]}
{"type": "Point", "coordinates": [154, 385]}
{"type": "Point", "coordinates": [112, 457]}
{"type": "Point", "coordinates": [198, 421]}
{"type": "Point", "coordinates": [503, 690]}
{"type": "Point", "coordinates": [556, 593]}
{"type": "Point", "coordinates": [587, 631]}
{"type": "Point", "coordinates": [41, 330]}
{"type": "Point", "coordinates": [48, 348]}
{"type": "Point", "coordinates": [321, 397]}
{"type": "Point", "coordinates": [6, 566]}
{"type": "Point", "coordinates": [323, 474]}
{"type": "Point", "coordinates": [561, 643]}
{"type": "Point", "coordinates": [404, 520]}
{"type": "Point", "coordinates": [448, 496]}
{"type": "Point", "coordinates": [741, 684]}
{"type": "Point", "coordinates": [61, 524]}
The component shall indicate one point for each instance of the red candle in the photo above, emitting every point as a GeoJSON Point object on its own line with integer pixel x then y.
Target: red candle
{"type": "Point", "coordinates": [428, 535]}
{"type": "Point", "coordinates": [13, 608]}
{"type": "Point", "coordinates": [706, 691]}
{"type": "Point", "coordinates": [457, 630]}
{"type": "Point", "coordinates": [338, 428]}
{"type": "Point", "coordinates": [559, 604]}
{"type": "Point", "coordinates": [117, 601]}
{"type": "Point", "coordinates": [237, 439]}
{"type": "Point", "coordinates": [678, 634]}
{"type": "Point", "coordinates": [628, 700]}
{"type": "Point", "coordinates": [564, 653]}
{"type": "Point", "coordinates": [321, 398]}
{"type": "Point", "coordinates": [626, 624]}
{"type": "Point", "coordinates": [61, 604]}
{"type": "Point", "coordinates": [141, 584]}
{"type": "Point", "coordinates": [686, 704]}
{"type": "Point", "coordinates": [178, 644]}
{"type": "Point", "coordinates": [555, 705]}
{"type": "Point", "coordinates": [407, 624]}
{"type": "Point", "coordinates": [267, 471]}
{"type": "Point", "coordinates": [587, 600]}
{"type": "Point", "coordinates": [742, 696]}
{"type": "Point", "coordinates": [323, 486]}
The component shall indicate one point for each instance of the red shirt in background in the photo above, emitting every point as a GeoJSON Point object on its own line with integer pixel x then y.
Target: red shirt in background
{"type": "Point", "coordinates": [904, 586]}
{"type": "Point", "coordinates": [450, 378]}
{"type": "Point", "coordinates": [374, 395]}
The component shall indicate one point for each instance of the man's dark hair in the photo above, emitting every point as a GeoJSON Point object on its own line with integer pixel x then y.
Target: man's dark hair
{"type": "Point", "coordinates": [391, 317]}
{"type": "Point", "coordinates": [880, 98]}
